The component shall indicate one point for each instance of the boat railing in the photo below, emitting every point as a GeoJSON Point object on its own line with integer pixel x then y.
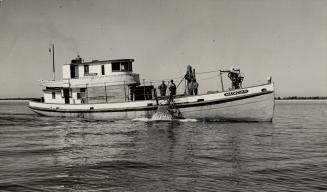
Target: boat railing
{"type": "Point", "coordinates": [106, 98]}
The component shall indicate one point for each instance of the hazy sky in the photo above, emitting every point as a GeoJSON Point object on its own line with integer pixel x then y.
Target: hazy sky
{"type": "Point", "coordinates": [284, 39]}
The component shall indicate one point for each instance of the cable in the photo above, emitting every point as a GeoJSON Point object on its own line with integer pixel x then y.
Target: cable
{"type": "Point", "coordinates": [208, 78]}
{"type": "Point", "coordinates": [174, 78]}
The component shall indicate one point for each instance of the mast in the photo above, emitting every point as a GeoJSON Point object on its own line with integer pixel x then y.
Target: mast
{"type": "Point", "coordinates": [53, 64]}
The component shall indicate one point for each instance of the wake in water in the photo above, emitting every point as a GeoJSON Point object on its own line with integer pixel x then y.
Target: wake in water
{"type": "Point", "coordinates": [144, 119]}
{"type": "Point", "coordinates": [164, 114]}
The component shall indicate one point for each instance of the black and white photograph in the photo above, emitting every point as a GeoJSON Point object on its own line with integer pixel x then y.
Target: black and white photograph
{"type": "Point", "coordinates": [163, 95]}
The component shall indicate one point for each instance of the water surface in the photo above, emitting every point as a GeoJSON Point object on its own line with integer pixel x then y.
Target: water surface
{"type": "Point", "coordinates": [61, 154]}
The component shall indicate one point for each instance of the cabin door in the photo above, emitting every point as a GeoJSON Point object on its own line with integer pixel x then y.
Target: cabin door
{"type": "Point", "coordinates": [74, 71]}
{"type": "Point", "coordinates": [66, 96]}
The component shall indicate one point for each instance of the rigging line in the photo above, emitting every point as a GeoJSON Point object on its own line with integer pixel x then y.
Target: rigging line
{"type": "Point", "coordinates": [159, 81]}
{"type": "Point", "coordinates": [207, 72]}
{"type": "Point", "coordinates": [174, 78]}
{"type": "Point", "coordinates": [166, 79]}
{"type": "Point", "coordinates": [211, 77]}
{"type": "Point", "coordinates": [208, 78]}
{"type": "Point", "coordinates": [180, 83]}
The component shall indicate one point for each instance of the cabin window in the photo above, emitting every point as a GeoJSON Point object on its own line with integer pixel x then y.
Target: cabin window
{"type": "Point", "coordinates": [53, 95]}
{"type": "Point", "coordinates": [124, 66]}
{"type": "Point", "coordinates": [86, 69]}
{"type": "Point", "coordinates": [102, 70]}
{"type": "Point", "coordinates": [130, 67]}
{"type": "Point", "coordinates": [121, 66]}
{"type": "Point", "coordinates": [127, 66]}
{"type": "Point", "coordinates": [115, 66]}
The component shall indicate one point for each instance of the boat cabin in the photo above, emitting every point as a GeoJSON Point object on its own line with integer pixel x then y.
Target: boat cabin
{"type": "Point", "coordinates": [105, 81]}
{"type": "Point", "coordinates": [77, 68]}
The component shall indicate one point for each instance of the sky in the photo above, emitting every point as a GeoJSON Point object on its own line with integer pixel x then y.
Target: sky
{"type": "Point", "coordinates": [285, 39]}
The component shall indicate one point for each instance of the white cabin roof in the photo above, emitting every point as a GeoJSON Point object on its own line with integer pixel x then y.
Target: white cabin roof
{"type": "Point", "coordinates": [94, 62]}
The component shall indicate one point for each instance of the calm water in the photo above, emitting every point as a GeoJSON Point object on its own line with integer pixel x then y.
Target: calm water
{"type": "Point", "coordinates": [53, 154]}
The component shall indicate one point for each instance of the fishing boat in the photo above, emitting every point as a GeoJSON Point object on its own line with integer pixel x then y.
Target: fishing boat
{"type": "Point", "coordinates": [110, 90]}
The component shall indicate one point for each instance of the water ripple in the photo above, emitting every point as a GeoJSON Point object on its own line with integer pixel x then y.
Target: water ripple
{"type": "Point", "coordinates": [65, 154]}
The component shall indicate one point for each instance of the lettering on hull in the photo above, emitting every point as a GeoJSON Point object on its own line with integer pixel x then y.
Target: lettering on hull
{"type": "Point", "coordinates": [231, 93]}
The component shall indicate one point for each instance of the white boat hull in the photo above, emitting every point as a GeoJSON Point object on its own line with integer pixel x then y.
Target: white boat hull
{"type": "Point", "coordinates": [248, 104]}
{"type": "Point", "coordinates": [258, 108]}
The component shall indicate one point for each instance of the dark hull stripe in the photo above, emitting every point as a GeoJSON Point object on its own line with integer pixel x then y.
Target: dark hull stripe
{"type": "Point", "coordinates": [151, 108]}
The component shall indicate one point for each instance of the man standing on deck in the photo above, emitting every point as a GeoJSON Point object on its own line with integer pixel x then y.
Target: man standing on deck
{"type": "Point", "coordinates": [195, 86]}
{"type": "Point", "coordinates": [172, 89]}
{"type": "Point", "coordinates": [162, 87]}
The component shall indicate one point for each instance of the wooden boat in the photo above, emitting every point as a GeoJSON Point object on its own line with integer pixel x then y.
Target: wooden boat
{"type": "Point", "coordinates": [109, 90]}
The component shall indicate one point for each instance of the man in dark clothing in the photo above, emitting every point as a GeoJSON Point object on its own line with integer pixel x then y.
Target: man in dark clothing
{"type": "Point", "coordinates": [162, 88]}
{"type": "Point", "coordinates": [235, 76]}
{"type": "Point", "coordinates": [195, 86]}
{"type": "Point", "coordinates": [172, 88]}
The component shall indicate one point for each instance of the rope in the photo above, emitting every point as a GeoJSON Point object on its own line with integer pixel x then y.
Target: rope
{"type": "Point", "coordinates": [208, 72]}
{"type": "Point", "coordinates": [174, 78]}
{"type": "Point", "coordinates": [180, 83]}
{"type": "Point", "coordinates": [208, 78]}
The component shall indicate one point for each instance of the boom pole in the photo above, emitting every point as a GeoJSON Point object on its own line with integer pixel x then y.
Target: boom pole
{"type": "Point", "coordinates": [221, 81]}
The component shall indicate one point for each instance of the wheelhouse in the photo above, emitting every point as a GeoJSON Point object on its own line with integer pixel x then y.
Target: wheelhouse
{"type": "Point", "coordinates": [105, 81]}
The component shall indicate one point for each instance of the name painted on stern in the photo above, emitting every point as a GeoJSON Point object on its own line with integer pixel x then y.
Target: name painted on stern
{"type": "Point", "coordinates": [236, 92]}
